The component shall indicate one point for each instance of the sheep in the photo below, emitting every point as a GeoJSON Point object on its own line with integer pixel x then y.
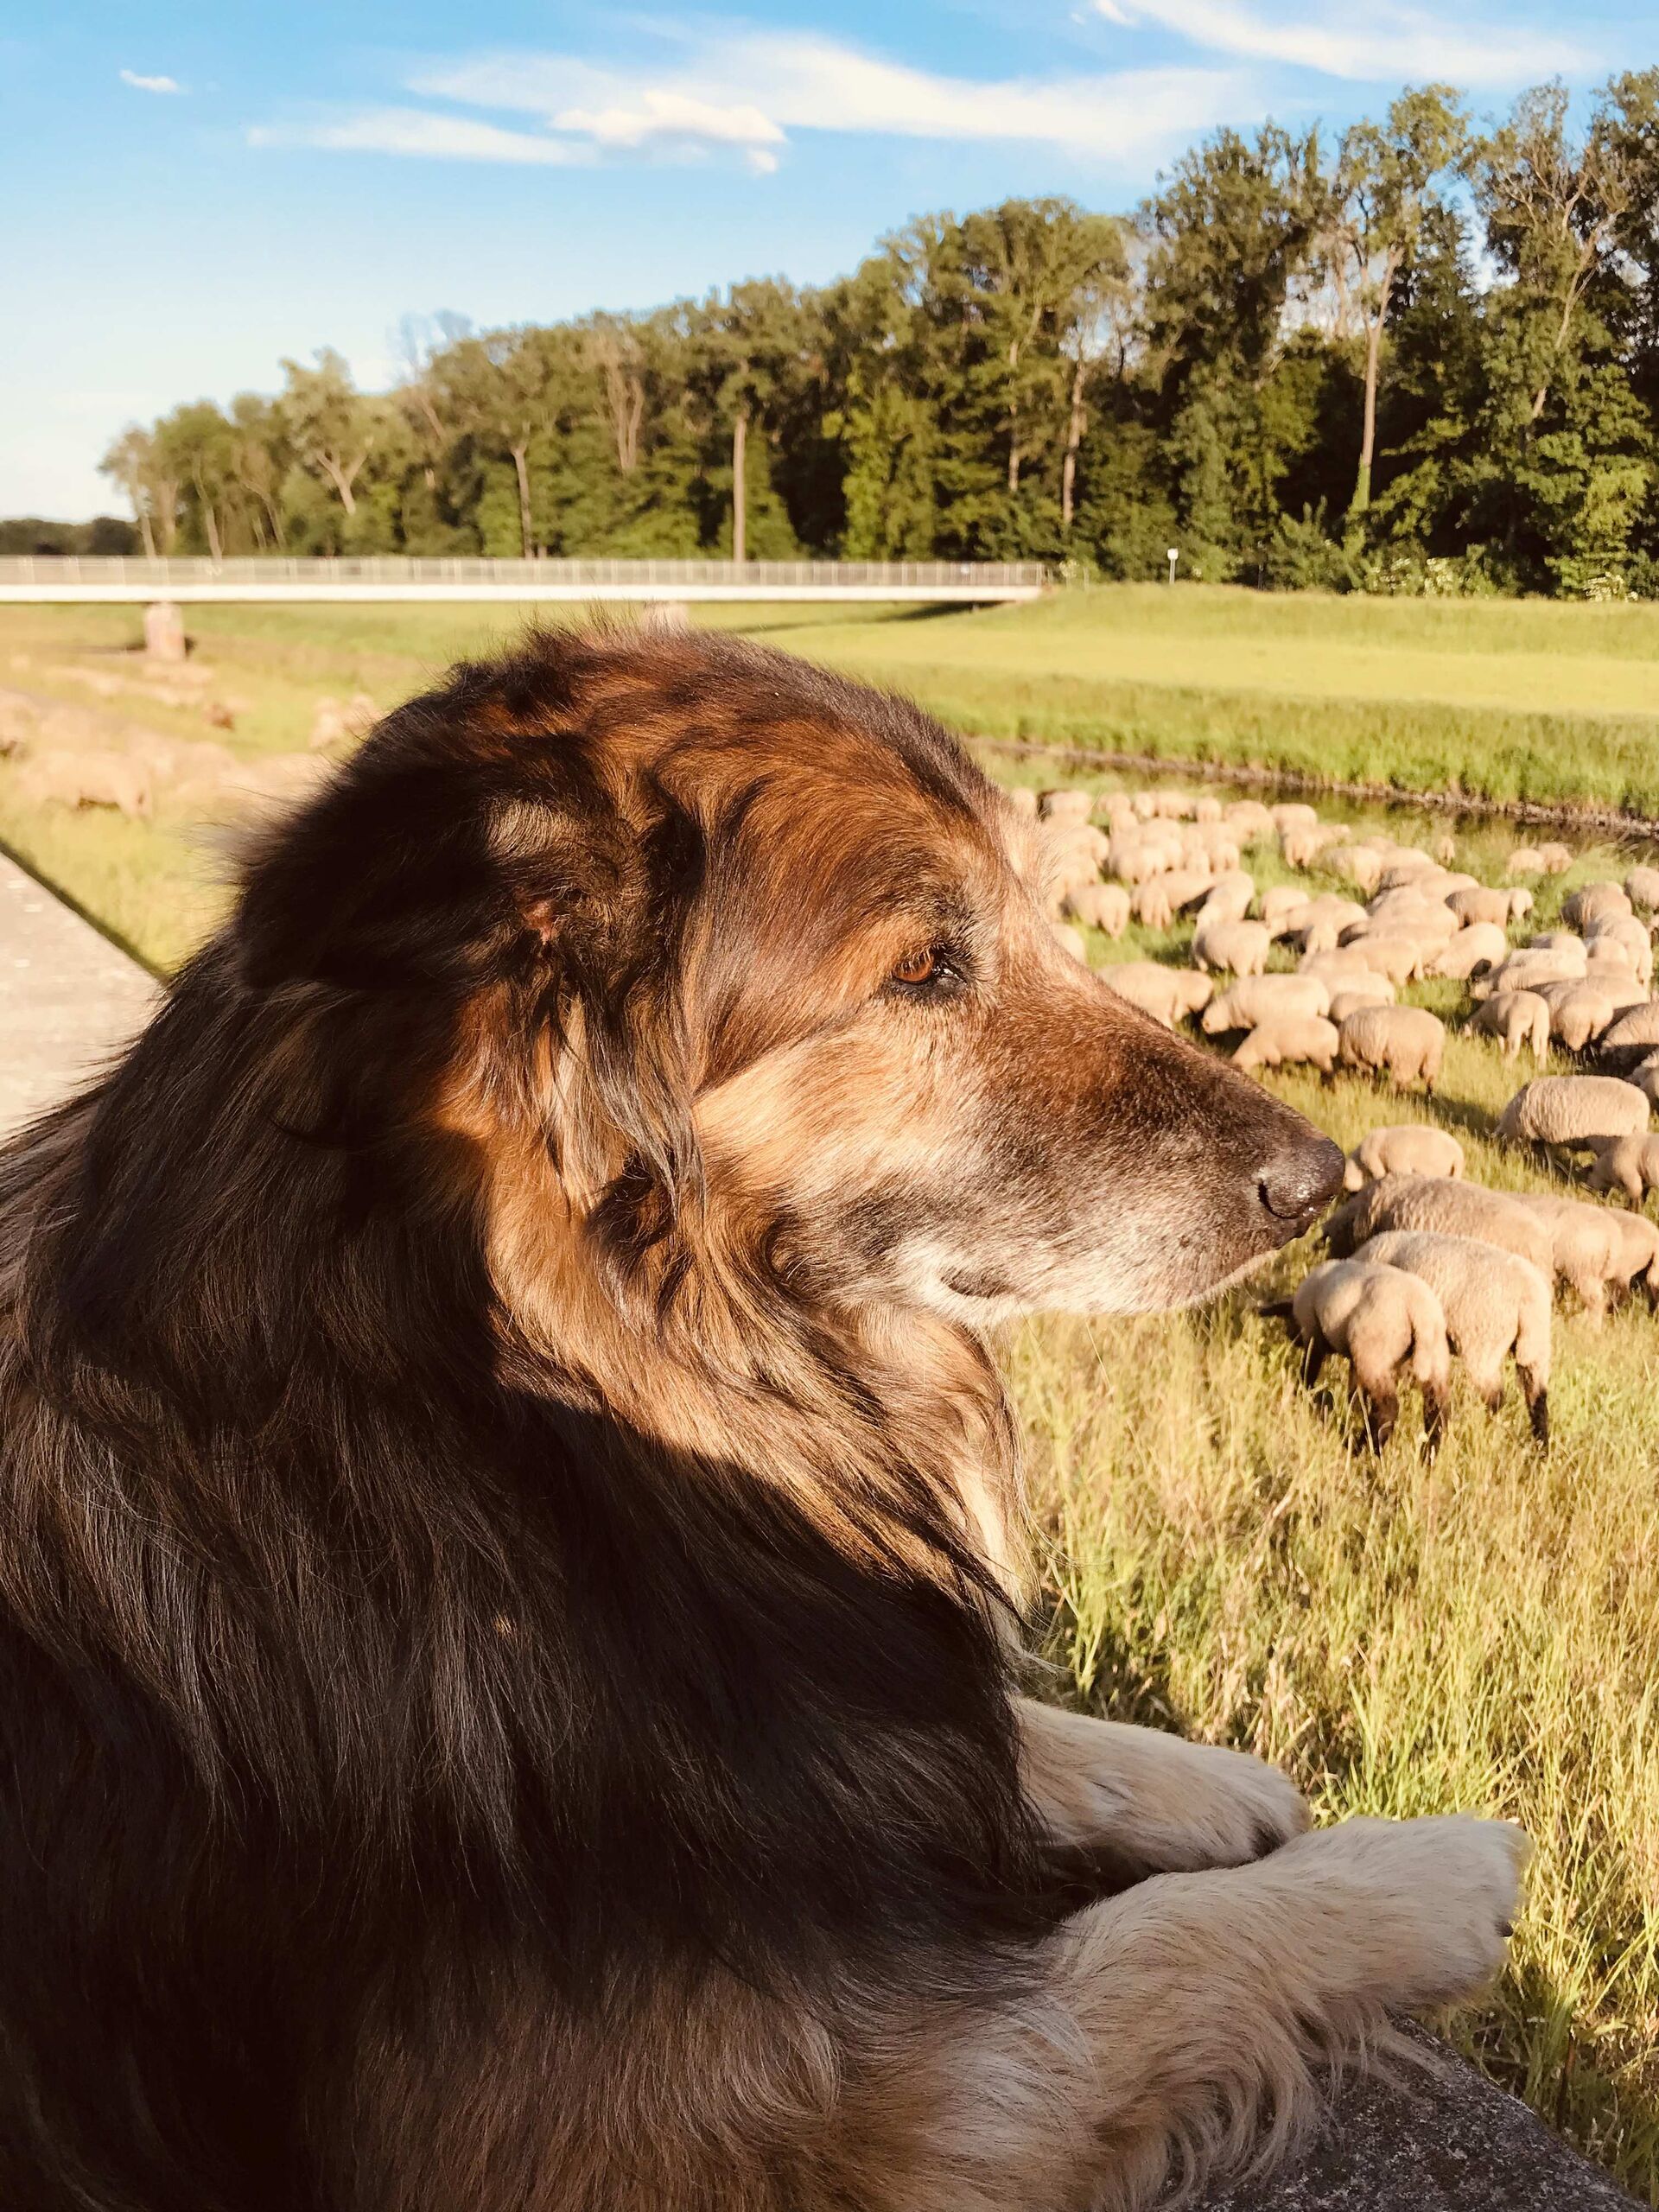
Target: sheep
{"type": "Point", "coordinates": [1494, 1303]}
{"type": "Point", "coordinates": [1339, 965]}
{"type": "Point", "coordinates": [1407, 1148]}
{"type": "Point", "coordinates": [1519, 1018]}
{"type": "Point", "coordinates": [1588, 1251]}
{"type": "Point", "coordinates": [1168, 995]}
{"type": "Point", "coordinates": [1206, 808]}
{"type": "Point", "coordinates": [1286, 1037]}
{"type": "Point", "coordinates": [1574, 1111]}
{"type": "Point", "coordinates": [1279, 903]}
{"type": "Point", "coordinates": [1407, 865]}
{"type": "Point", "coordinates": [1482, 904]}
{"type": "Point", "coordinates": [1564, 941]}
{"type": "Point", "coordinates": [1070, 940]}
{"type": "Point", "coordinates": [1409, 910]}
{"type": "Point", "coordinates": [1636, 1029]}
{"type": "Point", "coordinates": [1627, 1164]}
{"type": "Point", "coordinates": [1592, 902]}
{"type": "Point", "coordinates": [1642, 889]}
{"type": "Point", "coordinates": [1616, 984]}
{"type": "Point", "coordinates": [1360, 865]}
{"type": "Point", "coordinates": [1644, 1077]}
{"type": "Point", "coordinates": [1448, 1207]}
{"type": "Point", "coordinates": [1207, 845]}
{"type": "Point", "coordinates": [1242, 947]}
{"type": "Point", "coordinates": [1528, 970]}
{"type": "Point", "coordinates": [1102, 905]}
{"type": "Point", "coordinates": [1019, 799]}
{"type": "Point", "coordinates": [1378, 1318]}
{"type": "Point", "coordinates": [1289, 811]}
{"type": "Point", "coordinates": [1482, 946]}
{"type": "Point", "coordinates": [1623, 934]}
{"type": "Point", "coordinates": [1249, 820]}
{"type": "Point", "coordinates": [1556, 858]}
{"type": "Point", "coordinates": [1526, 859]}
{"type": "Point", "coordinates": [1404, 1042]}
{"type": "Point", "coordinates": [92, 778]}
{"type": "Point", "coordinates": [1228, 898]}
{"type": "Point", "coordinates": [1264, 998]}
{"type": "Point", "coordinates": [1065, 805]}
{"type": "Point", "coordinates": [1133, 857]}
{"type": "Point", "coordinates": [1160, 897]}
{"type": "Point", "coordinates": [1401, 958]}
{"type": "Point", "coordinates": [1320, 925]}
{"type": "Point", "coordinates": [1352, 992]}
{"type": "Point", "coordinates": [1578, 1012]}
{"type": "Point", "coordinates": [1302, 844]}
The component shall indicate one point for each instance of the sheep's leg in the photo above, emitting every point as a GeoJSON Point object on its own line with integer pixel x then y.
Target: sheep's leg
{"type": "Point", "coordinates": [1592, 1295]}
{"type": "Point", "coordinates": [1315, 1352]}
{"type": "Point", "coordinates": [1127, 1801]}
{"type": "Point", "coordinates": [1536, 1390]}
{"type": "Point", "coordinates": [1436, 1405]}
{"type": "Point", "coordinates": [1380, 1406]}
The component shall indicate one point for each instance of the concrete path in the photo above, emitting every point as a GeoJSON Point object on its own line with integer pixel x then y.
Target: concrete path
{"type": "Point", "coordinates": [68, 998]}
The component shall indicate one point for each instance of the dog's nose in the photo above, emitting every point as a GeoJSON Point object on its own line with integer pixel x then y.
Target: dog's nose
{"type": "Point", "coordinates": [1300, 1180]}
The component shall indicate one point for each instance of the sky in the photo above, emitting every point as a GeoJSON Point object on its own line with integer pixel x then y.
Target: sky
{"type": "Point", "coordinates": [192, 191]}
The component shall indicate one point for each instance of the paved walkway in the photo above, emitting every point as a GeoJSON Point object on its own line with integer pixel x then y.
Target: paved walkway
{"type": "Point", "coordinates": [68, 998]}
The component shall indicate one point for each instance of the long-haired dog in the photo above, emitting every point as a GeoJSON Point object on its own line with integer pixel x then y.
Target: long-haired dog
{"type": "Point", "coordinates": [511, 1538]}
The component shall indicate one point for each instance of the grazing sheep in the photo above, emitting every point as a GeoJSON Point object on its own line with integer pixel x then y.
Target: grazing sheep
{"type": "Point", "coordinates": [1578, 1012]}
{"type": "Point", "coordinates": [1292, 811]}
{"type": "Point", "coordinates": [1066, 805]}
{"type": "Point", "coordinates": [1322, 923]}
{"type": "Point", "coordinates": [1627, 1164]}
{"type": "Point", "coordinates": [1249, 820]}
{"type": "Point", "coordinates": [1168, 995]}
{"type": "Point", "coordinates": [1637, 1029]}
{"type": "Point", "coordinates": [1644, 1077]}
{"type": "Point", "coordinates": [1206, 808]}
{"type": "Point", "coordinates": [1616, 984]}
{"type": "Point", "coordinates": [1401, 958]}
{"type": "Point", "coordinates": [1264, 998]}
{"type": "Point", "coordinates": [90, 779]}
{"type": "Point", "coordinates": [1526, 859]}
{"type": "Point", "coordinates": [1281, 903]}
{"type": "Point", "coordinates": [1286, 1037]}
{"type": "Point", "coordinates": [1482, 904]}
{"type": "Point", "coordinates": [1556, 858]}
{"type": "Point", "coordinates": [1160, 897]}
{"type": "Point", "coordinates": [1623, 934]}
{"type": "Point", "coordinates": [1642, 889]}
{"type": "Point", "coordinates": [1574, 1111]}
{"type": "Point", "coordinates": [1406, 864]}
{"type": "Point", "coordinates": [1242, 947]}
{"type": "Point", "coordinates": [1301, 844]}
{"type": "Point", "coordinates": [1530, 970]}
{"type": "Point", "coordinates": [1482, 946]}
{"type": "Point", "coordinates": [1342, 962]}
{"type": "Point", "coordinates": [1070, 940]}
{"type": "Point", "coordinates": [1495, 1303]}
{"type": "Point", "coordinates": [1350, 993]}
{"type": "Point", "coordinates": [1407, 1148]}
{"type": "Point", "coordinates": [1406, 1043]}
{"type": "Point", "coordinates": [1102, 905]}
{"type": "Point", "coordinates": [1593, 902]}
{"type": "Point", "coordinates": [1360, 865]}
{"type": "Point", "coordinates": [1520, 1018]}
{"type": "Point", "coordinates": [1410, 910]}
{"type": "Point", "coordinates": [1378, 1318]}
{"type": "Point", "coordinates": [1448, 1206]}
{"type": "Point", "coordinates": [1228, 898]}
{"type": "Point", "coordinates": [1021, 799]}
{"type": "Point", "coordinates": [1588, 1250]}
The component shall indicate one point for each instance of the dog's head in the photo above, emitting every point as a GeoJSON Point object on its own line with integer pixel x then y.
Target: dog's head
{"type": "Point", "coordinates": [734, 944]}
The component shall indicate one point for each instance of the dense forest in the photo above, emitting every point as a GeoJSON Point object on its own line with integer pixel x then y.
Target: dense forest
{"type": "Point", "coordinates": [1419, 356]}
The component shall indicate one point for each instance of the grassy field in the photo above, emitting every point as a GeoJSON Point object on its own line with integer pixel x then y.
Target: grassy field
{"type": "Point", "coordinates": [1479, 1633]}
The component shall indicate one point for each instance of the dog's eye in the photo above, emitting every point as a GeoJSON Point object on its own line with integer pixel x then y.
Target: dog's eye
{"type": "Point", "coordinates": [922, 969]}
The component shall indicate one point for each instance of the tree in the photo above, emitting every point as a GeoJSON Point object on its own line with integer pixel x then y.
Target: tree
{"type": "Point", "coordinates": [134, 463]}
{"type": "Point", "coordinates": [1379, 201]}
{"type": "Point", "coordinates": [330, 426]}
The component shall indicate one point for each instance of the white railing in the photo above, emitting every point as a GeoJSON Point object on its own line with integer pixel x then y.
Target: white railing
{"type": "Point", "coordinates": [74, 576]}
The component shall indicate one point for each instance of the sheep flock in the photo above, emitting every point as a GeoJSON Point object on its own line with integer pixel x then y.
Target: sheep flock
{"type": "Point", "coordinates": [1318, 967]}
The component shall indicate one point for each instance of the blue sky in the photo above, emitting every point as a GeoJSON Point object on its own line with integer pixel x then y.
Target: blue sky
{"type": "Point", "coordinates": [192, 191]}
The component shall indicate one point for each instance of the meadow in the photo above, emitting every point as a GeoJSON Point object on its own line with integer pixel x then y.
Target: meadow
{"type": "Point", "coordinates": [1480, 1631]}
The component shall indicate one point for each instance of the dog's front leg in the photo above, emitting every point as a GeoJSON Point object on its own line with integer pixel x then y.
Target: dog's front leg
{"type": "Point", "coordinates": [1138, 1802]}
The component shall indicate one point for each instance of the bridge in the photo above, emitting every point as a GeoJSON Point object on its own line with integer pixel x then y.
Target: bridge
{"type": "Point", "coordinates": [73, 579]}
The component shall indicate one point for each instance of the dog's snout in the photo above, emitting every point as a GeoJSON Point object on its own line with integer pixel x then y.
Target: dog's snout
{"type": "Point", "coordinates": [1300, 1179]}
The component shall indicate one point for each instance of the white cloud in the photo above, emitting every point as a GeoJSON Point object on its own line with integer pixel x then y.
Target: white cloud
{"type": "Point", "coordinates": [415, 130]}
{"type": "Point", "coordinates": [669, 115]}
{"type": "Point", "coordinates": [804, 81]}
{"type": "Point", "coordinates": [150, 84]}
{"type": "Point", "coordinates": [1378, 44]}
{"type": "Point", "coordinates": [759, 162]}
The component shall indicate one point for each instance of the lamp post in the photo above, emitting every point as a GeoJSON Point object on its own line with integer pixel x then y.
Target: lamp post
{"type": "Point", "coordinates": [1173, 556]}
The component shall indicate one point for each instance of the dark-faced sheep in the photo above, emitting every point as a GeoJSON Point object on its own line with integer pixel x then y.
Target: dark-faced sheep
{"type": "Point", "coordinates": [1381, 1319]}
{"type": "Point", "coordinates": [1481, 946]}
{"type": "Point", "coordinates": [1405, 1042]}
{"type": "Point", "coordinates": [1446, 1207]}
{"type": "Point", "coordinates": [1495, 1303]}
{"type": "Point", "coordinates": [1575, 1112]}
{"type": "Point", "coordinates": [1409, 1149]}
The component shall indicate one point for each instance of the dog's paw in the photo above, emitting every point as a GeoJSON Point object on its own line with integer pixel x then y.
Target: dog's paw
{"type": "Point", "coordinates": [1428, 1904]}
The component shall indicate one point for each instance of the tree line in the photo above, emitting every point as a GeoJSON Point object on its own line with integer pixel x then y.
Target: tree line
{"type": "Point", "coordinates": [1419, 355]}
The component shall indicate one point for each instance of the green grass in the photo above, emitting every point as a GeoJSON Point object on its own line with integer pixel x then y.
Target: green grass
{"type": "Point", "coordinates": [1483, 1633]}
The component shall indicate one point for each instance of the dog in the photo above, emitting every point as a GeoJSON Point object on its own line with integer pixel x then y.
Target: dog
{"type": "Point", "coordinates": [511, 1563]}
